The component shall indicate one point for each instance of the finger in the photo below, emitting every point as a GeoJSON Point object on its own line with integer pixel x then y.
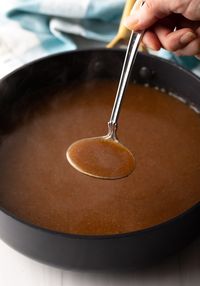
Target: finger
{"type": "Point", "coordinates": [145, 16]}
{"type": "Point", "coordinates": [174, 40]}
{"type": "Point", "coordinates": [153, 10]}
{"type": "Point", "coordinates": [197, 31]}
{"type": "Point", "coordinates": [191, 49]}
{"type": "Point", "coordinates": [151, 40]}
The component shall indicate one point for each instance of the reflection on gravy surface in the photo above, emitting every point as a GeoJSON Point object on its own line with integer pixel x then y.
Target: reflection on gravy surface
{"type": "Point", "coordinates": [163, 134]}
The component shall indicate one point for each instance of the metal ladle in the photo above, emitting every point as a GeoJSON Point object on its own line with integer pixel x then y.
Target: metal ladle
{"type": "Point", "coordinates": [105, 157]}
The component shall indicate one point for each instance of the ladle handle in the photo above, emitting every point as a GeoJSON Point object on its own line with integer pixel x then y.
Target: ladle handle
{"type": "Point", "coordinates": [130, 56]}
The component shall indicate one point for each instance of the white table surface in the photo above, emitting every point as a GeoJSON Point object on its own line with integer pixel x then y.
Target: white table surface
{"type": "Point", "coordinates": [181, 270]}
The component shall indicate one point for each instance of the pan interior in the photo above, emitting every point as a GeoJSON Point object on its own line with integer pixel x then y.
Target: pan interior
{"type": "Point", "coordinates": [40, 187]}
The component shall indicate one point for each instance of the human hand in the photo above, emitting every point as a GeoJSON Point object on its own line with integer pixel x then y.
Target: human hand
{"type": "Point", "coordinates": [171, 24]}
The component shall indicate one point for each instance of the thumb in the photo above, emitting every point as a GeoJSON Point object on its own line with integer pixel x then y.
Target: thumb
{"type": "Point", "coordinates": [142, 17]}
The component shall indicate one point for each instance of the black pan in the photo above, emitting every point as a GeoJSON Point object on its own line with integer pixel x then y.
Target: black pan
{"type": "Point", "coordinates": [21, 91]}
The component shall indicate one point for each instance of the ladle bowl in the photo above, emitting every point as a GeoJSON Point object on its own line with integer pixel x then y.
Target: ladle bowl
{"type": "Point", "coordinates": [101, 157]}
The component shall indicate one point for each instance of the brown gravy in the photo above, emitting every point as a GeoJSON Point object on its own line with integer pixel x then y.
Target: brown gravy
{"type": "Point", "coordinates": [40, 187]}
{"type": "Point", "coordinates": [101, 158]}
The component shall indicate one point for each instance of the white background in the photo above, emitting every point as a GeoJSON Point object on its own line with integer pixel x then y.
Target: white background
{"type": "Point", "coordinates": [181, 270]}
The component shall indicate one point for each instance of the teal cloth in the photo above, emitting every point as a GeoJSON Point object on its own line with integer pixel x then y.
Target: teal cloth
{"type": "Point", "coordinates": [30, 29]}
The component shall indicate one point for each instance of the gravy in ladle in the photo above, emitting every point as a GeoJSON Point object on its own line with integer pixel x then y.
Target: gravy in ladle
{"type": "Point", "coordinates": [101, 157]}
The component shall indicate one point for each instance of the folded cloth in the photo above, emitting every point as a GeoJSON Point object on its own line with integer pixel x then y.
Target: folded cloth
{"type": "Point", "coordinates": [30, 29]}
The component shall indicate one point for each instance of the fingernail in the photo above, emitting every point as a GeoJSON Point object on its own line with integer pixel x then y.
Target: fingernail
{"type": "Point", "coordinates": [130, 22]}
{"type": "Point", "coordinates": [133, 10]}
{"type": "Point", "coordinates": [187, 38]}
{"type": "Point", "coordinates": [136, 7]}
